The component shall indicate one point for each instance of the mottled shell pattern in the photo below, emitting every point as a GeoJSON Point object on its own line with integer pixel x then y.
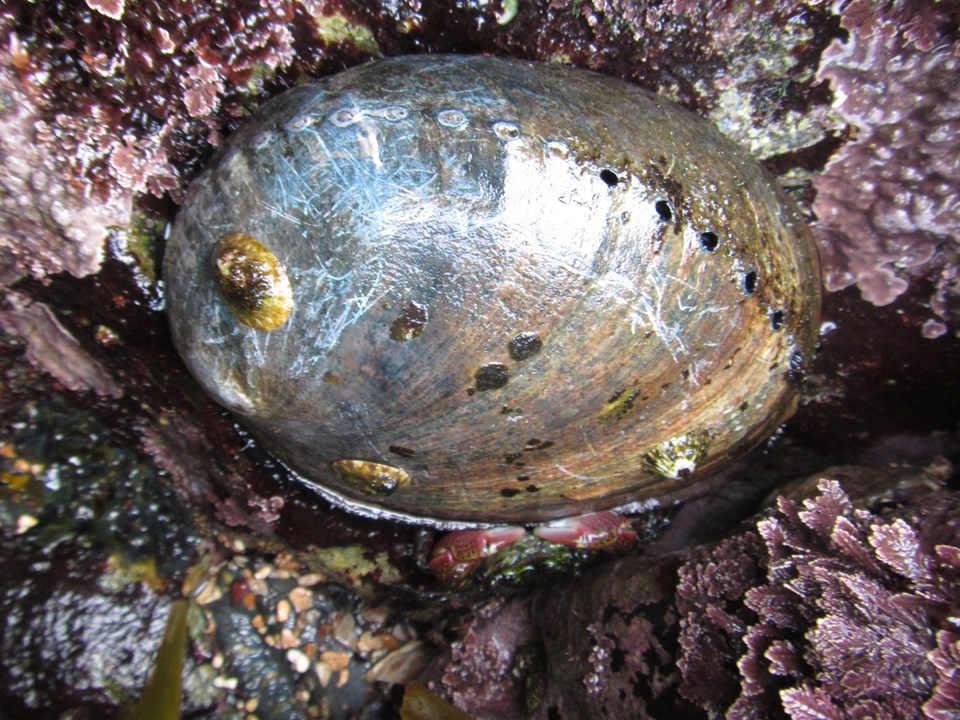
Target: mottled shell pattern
{"type": "Point", "coordinates": [474, 290]}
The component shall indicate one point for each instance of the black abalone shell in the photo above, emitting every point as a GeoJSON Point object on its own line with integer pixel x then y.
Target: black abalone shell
{"type": "Point", "coordinates": [519, 291]}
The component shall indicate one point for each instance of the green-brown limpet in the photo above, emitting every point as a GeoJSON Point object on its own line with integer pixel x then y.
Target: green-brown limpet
{"type": "Point", "coordinates": [251, 281]}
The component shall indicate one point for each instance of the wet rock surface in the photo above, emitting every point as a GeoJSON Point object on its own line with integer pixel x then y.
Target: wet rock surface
{"type": "Point", "coordinates": [68, 642]}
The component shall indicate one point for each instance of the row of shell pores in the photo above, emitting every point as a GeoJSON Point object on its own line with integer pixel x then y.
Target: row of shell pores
{"type": "Point", "coordinates": [670, 407]}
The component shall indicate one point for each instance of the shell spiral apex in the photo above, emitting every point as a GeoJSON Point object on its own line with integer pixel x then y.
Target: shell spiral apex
{"type": "Point", "coordinates": [476, 290]}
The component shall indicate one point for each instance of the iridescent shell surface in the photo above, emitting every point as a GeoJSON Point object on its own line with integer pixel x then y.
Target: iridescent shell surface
{"type": "Point", "coordinates": [516, 291]}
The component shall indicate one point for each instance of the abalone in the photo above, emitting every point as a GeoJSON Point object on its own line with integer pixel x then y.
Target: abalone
{"type": "Point", "coordinates": [481, 290]}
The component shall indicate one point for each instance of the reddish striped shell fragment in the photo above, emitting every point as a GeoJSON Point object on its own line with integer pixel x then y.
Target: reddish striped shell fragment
{"type": "Point", "coordinates": [517, 291]}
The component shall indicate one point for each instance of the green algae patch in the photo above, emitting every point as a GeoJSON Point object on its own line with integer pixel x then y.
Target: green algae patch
{"type": "Point", "coordinates": [336, 28]}
{"type": "Point", "coordinates": [355, 566]}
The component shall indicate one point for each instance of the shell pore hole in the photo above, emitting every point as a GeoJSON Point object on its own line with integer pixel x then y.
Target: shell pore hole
{"type": "Point", "coordinates": [750, 281]}
{"type": "Point", "coordinates": [709, 241]}
{"type": "Point", "coordinates": [776, 319]}
{"type": "Point", "coordinates": [609, 177]}
{"type": "Point", "coordinates": [664, 210]}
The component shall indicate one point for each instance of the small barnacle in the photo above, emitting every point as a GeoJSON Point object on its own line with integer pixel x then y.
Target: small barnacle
{"type": "Point", "coordinates": [345, 116]}
{"type": "Point", "coordinates": [393, 113]}
{"type": "Point", "coordinates": [298, 123]}
{"type": "Point", "coordinates": [506, 130]}
{"type": "Point", "coordinates": [558, 148]}
{"type": "Point", "coordinates": [370, 477]}
{"type": "Point", "coordinates": [251, 281]}
{"type": "Point", "coordinates": [678, 457]}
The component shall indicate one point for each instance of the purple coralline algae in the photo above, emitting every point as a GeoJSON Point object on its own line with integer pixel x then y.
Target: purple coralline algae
{"type": "Point", "coordinates": [822, 610]}
{"type": "Point", "coordinates": [830, 612]}
{"type": "Point", "coordinates": [102, 104]}
{"type": "Point", "coordinates": [46, 224]}
{"type": "Point", "coordinates": [888, 202]}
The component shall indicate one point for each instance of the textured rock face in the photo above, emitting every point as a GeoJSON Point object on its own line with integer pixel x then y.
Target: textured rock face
{"type": "Point", "coordinates": [67, 642]}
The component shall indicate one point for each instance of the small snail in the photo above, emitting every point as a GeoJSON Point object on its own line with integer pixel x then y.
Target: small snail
{"type": "Point", "coordinates": [468, 290]}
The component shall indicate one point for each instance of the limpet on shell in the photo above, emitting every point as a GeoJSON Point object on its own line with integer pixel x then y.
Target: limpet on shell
{"type": "Point", "coordinates": [251, 281]}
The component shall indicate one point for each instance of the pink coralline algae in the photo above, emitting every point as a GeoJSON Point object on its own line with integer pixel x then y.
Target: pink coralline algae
{"type": "Point", "coordinates": [849, 616]}
{"type": "Point", "coordinates": [49, 345]}
{"type": "Point", "coordinates": [889, 202]}
{"type": "Point", "coordinates": [105, 102]}
{"type": "Point", "coordinates": [46, 223]}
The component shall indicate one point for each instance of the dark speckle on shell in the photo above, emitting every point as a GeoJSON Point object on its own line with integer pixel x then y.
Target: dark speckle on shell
{"type": "Point", "coordinates": [467, 235]}
{"type": "Point", "coordinates": [524, 345]}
